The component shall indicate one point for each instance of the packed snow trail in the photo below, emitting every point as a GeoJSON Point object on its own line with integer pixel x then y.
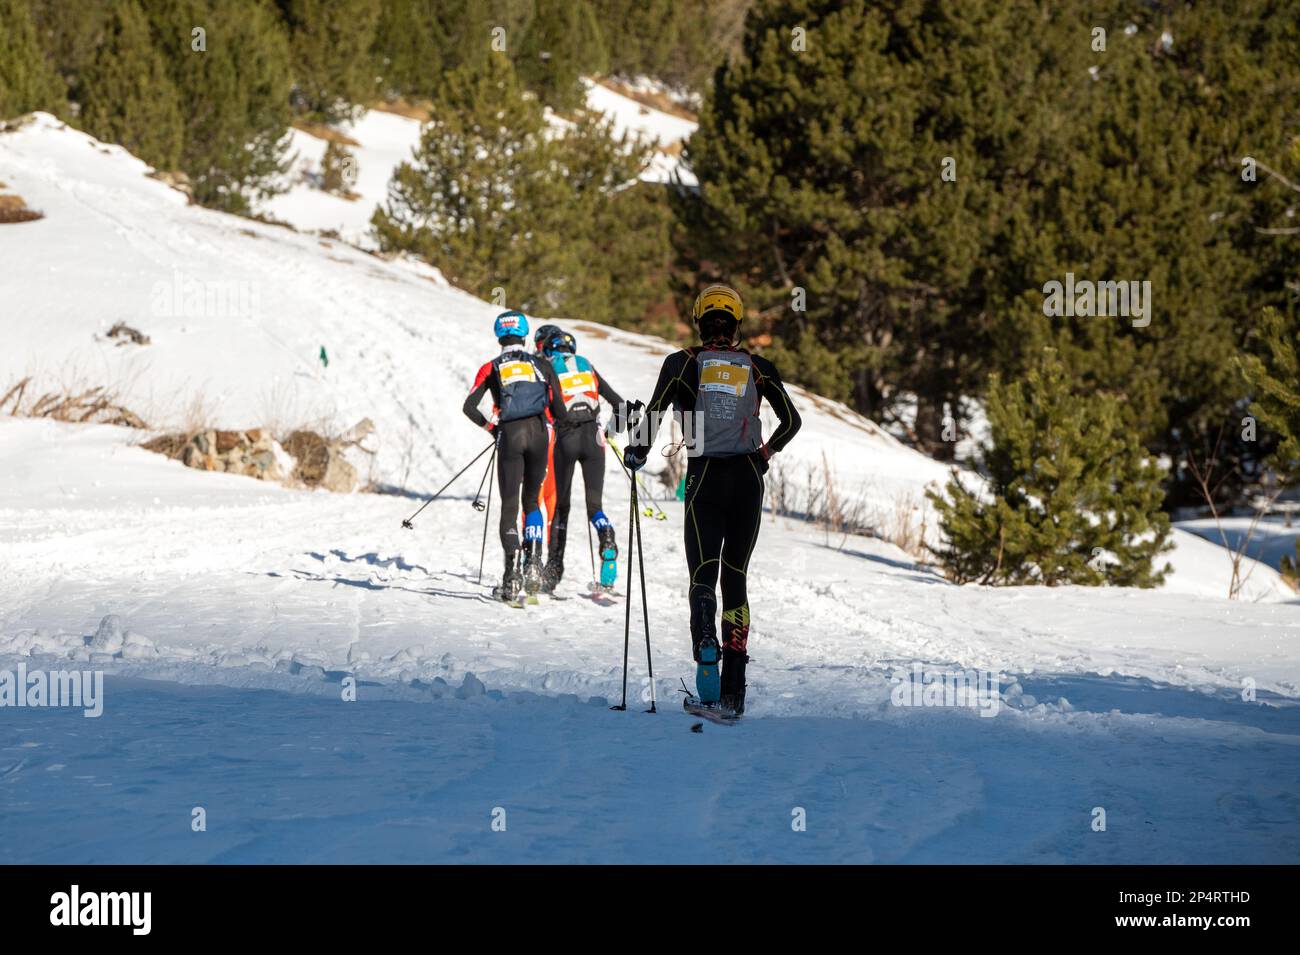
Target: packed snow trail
{"type": "Point", "coordinates": [303, 777]}
{"type": "Point", "coordinates": [235, 610]}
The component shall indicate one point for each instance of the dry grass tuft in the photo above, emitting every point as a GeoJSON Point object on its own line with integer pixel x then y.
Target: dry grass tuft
{"type": "Point", "coordinates": [327, 133]}
{"type": "Point", "coordinates": [96, 405]}
{"type": "Point", "coordinates": [14, 209]}
{"type": "Point", "coordinates": [420, 109]}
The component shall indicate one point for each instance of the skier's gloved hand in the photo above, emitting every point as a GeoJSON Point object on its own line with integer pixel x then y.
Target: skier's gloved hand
{"type": "Point", "coordinates": [634, 458]}
{"type": "Point", "coordinates": [627, 416]}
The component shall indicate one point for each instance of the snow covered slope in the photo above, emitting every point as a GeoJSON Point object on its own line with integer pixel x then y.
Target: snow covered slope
{"type": "Point", "coordinates": [227, 612]}
{"type": "Point", "coordinates": [238, 313]}
{"type": "Point", "coordinates": [384, 140]}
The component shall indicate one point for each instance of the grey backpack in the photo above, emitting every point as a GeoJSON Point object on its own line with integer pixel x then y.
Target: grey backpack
{"type": "Point", "coordinates": [726, 405]}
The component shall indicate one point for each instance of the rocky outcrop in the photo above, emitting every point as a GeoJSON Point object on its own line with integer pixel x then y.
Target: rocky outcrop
{"type": "Point", "coordinates": [322, 462]}
{"type": "Point", "coordinates": [306, 457]}
{"type": "Point", "coordinates": [253, 453]}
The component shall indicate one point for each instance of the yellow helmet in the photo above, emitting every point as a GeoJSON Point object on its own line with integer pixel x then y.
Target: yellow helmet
{"type": "Point", "coordinates": [722, 297]}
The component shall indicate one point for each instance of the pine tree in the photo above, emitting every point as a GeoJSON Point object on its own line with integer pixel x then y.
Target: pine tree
{"type": "Point", "coordinates": [1072, 497]}
{"type": "Point", "coordinates": [229, 60]}
{"type": "Point", "coordinates": [480, 199]}
{"type": "Point", "coordinates": [69, 42]}
{"type": "Point", "coordinates": [494, 200]}
{"type": "Point", "coordinates": [408, 52]}
{"type": "Point", "coordinates": [1145, 185]}
{"type": "Point", "coordinates": [1275, 381]}
{"type": "Point", "coordinates": [26, 80]}
{"type": "Point", "coordinates": [561, 43]}
{"type": "Point", "coordinates": [128, 98]}
{"type": "Point", "coordinates": [871, 156]}
{"type": "Point", "coordinates": [618, 226]}
{"type": "Point", "coordinates": [679, 42]}
{"type": "Point", "coordinates": [329, 45]}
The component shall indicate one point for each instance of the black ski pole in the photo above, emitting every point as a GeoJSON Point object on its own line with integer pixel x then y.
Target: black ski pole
{"type": "Point", "coordinates": [654, 510]}
{"type": "Point", "coordinates": [487, 517]}
{"type": "Point", "coordinates": [627, 615]}
{"type": "Point", "coordinates": [407, 523]}
{"type": "Point", "coordinates": [645, 605]}
{"type": "Point", "coordinates": [592, 548]}
{"type": "Point", "coordinates": [477, 503]}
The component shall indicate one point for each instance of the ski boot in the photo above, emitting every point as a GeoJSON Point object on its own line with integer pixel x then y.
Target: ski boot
{"type": "Point", "coordinates": [708, 682]}
{"type": "Point", "coordinates": [732, 698]}
{"type": "Point", "coordinates": [554, 569]}
{"type": "Point", "coordinates": [511, 580]}
{"type": "Point", "coordinates": [608, 556]}
{"type": "Point", "coordinates": [551, 574]}
{"type": "Point", "coordinates": [532, 566]}
{"type": "Point", "coordinates": [705, 649]}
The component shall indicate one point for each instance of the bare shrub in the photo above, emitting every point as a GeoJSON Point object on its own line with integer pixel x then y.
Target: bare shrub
{"type": "Point", "coordinates": [1203, 473]}
{"type": "Point", "coordinates": [817, 496]}
{"type": "Point", "coordinates": [98, 405]}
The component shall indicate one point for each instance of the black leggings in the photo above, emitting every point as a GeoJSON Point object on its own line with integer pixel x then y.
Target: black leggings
{"type": "Point", "coordinates": [573, 446]}
{"type": "Point", "coordinates": [521, 465]}
{"type": "Point", "coordinates": [724, 508]}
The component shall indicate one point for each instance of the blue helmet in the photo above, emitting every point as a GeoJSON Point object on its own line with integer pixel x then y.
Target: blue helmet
{"type": "Point", "coordinates": [561, 342]}
{"type": "Point", "coordinates": [511, 323]}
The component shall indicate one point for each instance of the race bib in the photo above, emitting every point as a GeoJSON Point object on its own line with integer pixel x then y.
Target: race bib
{"type": "Point", "coordinates": [576, 383]}
{"type": "Point", "coordinates": [513, 372]}
{"type": "Point", "coordinates": [718, 374]}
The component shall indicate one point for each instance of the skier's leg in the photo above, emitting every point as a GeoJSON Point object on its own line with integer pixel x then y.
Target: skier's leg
{"type": "Point", "coordinates": [593, 470]}
{"type": "Point", "coordinates": [510, 473]}
{"type": "Point", "coordinates": [563, 461]}
{"type": "Point", "coordinates": [744, 517]}
{"type": "Point", "coordinates": [592, 456]}
{"type": "Point", "coordinates": [705, 520]}
{"type": "Point", "coordinates": [535, 456]}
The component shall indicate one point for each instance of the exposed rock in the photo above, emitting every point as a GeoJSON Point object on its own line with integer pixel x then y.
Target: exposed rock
{"type": "Point", "coordinates": [253, 453]}
{"type": "Point", "coordinates": [306, 457]}
{"type": "Point", "coordinates": [321, 460]}
{"type": "Point", "coordinates": [125, 335]}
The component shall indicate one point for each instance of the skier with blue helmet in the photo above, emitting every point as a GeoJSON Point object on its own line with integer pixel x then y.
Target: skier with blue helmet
{"type": "Point", "coordinates": [525, 394]}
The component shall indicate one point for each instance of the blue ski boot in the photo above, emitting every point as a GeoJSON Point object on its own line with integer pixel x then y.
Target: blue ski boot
{"type": "Point", "coordinates": [608, 550]}
{"type": "Point", "coordinates": [708, 674]}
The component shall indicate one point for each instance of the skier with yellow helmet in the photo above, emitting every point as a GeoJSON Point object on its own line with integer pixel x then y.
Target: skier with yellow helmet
{"type": "Point", "coordinates": [717, 388]}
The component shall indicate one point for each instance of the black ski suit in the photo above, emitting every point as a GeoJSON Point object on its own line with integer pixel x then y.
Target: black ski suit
{"type": "Point", "coordinates": [579, 441]}
{"type": "Point", "coordinates": [522, 441]}
{"type": "Point", "coordinates": [724, 504]}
